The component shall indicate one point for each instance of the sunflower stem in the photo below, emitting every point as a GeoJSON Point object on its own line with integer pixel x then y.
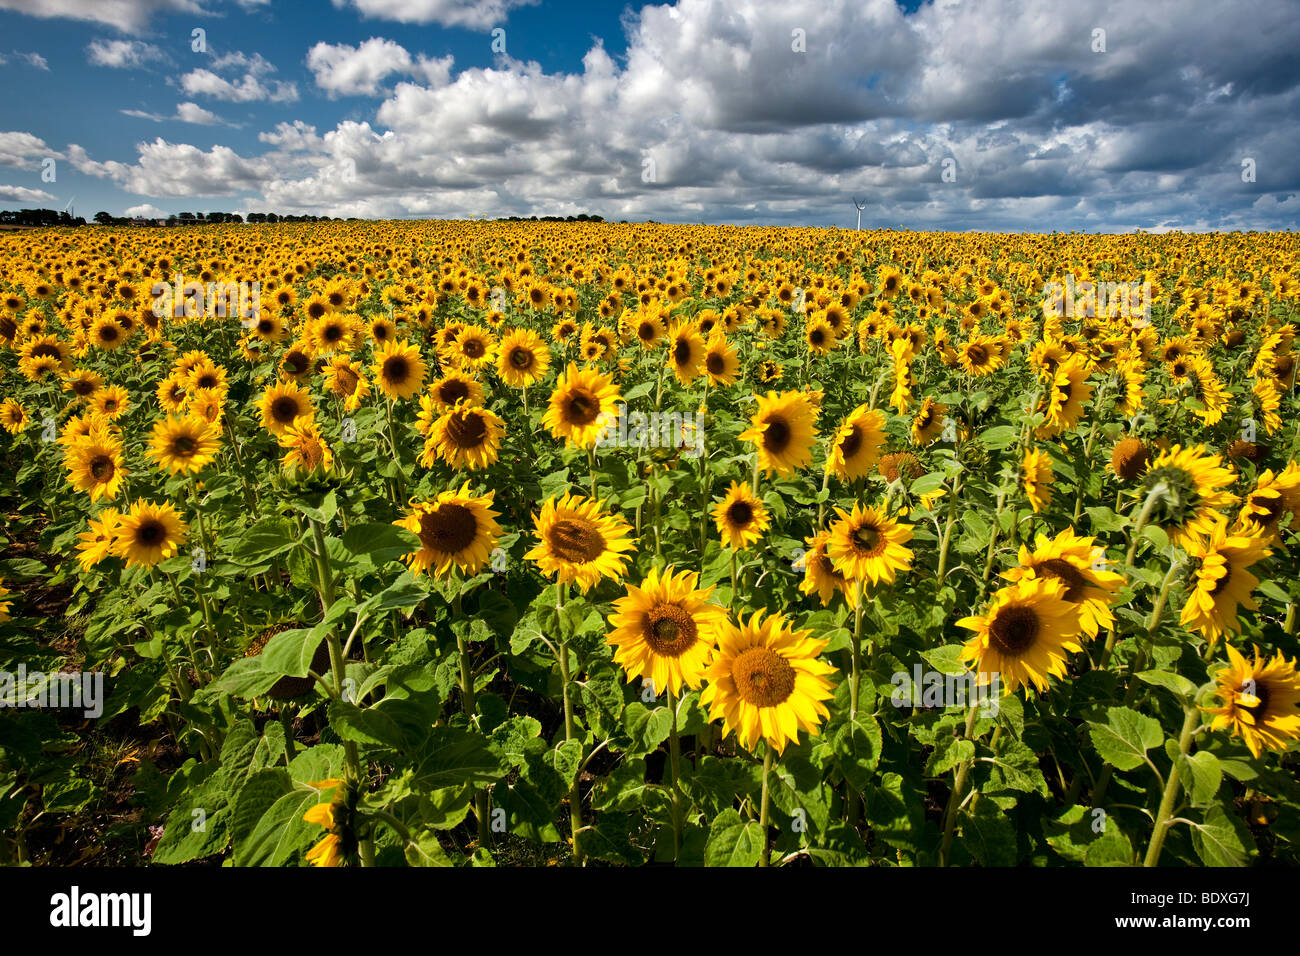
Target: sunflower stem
{"type": "Point", "coordinates": [1173, 786]}
{"type": "Point", "coordinates": [674, 763]}
{"type": "Point", "coordinates": [958, 791]}
{"type": "Point", "coordinates": [764, 813]}
{"type": "Point", "coordinates": [947, 532]}
{"type": "Point", "coordinates": [1148, 506]}
{"type": "Point", "coordinates": [467, 703]}
{"type": "Point", "coordinates": [575, 797]}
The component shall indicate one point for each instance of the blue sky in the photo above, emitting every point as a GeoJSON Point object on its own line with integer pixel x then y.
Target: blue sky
{"type": "Point", "coordinates": [997, 114]}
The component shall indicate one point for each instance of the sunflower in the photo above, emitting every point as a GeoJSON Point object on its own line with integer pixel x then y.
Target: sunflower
{"type": "Point", "coordinates": [346, 379]}
{"type": "Point", "coordinates": [1024, 635]}
{"type": "Point", "coordinates": [579, 543]}
{"type": "Point", "coordinates": [856, 444]}
{"type": "Point", "coordinates": [740, 517]}
{"type": "Point", "coordinates": [207, 404]}
{"type": "Point", "coordinates": [1189, 491]}
{"type": "Point", "coordinates": [766, 682]}
{"type": "Point", "coordinates": [819, 337]}
{"type": "Point", "coordinates": [456, 529]}
{"type": "Point", "coordinates": [819, 573]}
{"type": "Point", "coordinates": [13, 417]}
{"type": "Point", "coordinates": [472, 347]}
{"type": "Point", "coordinates": [183, 445]}
{"type": "Point", "coordinates": [980, 356]}
{"type": "Point", "coordinates": [1222, 581]}
{"type": "Point", "coordinates": [1075, 560]}
{"type": "Point", "coordinates": [581, 405]}
{"type": "Point", "coordinates": [783, 430]}
{"type": "Point", "coordinates": [83, 383]}
{"type": "Point", "coordinates": [334, 332]}
{"type": "Point", "coordinates": [283, 404]}
{"type": "Point", "coordinates": [665, 630]}
{"type": "Point", "coordinates": [1129, 458]}
{"type": "Point", "coordinates": [107, 334]}
{"type": "Point", "coordinates": [648, 328]}
{"type": "Point", "coordinates": [928, 422]}
{"type": "Point", "coordinates": [307, 449]}
{"type": "Point", "coordinates": [685, 351]}
{"type": "Point", "coordinates": [1261, 701]}
{"type": "Point", "coordinates": [399, 371]}
{"type": "Point", "coordinates": [522, 358]}
{"type": "Point", "coordinates": [453, 387]}
{"type": "Point", "coordinates": [721, 362]}
{"type": "Point", "coordinates": [868, 546]}
{"type": "Point", "coordinates": [148, 533]}
{"type": "Point", "coordinates": [1264, 507]}
{"type": "Point", "coordinates": [296, 362]}
{"type": "Point", "coordinates": [466, 436]}
{"type": "Point", "coordinates": [94, 464]}
{"type": "Point", "coordinates": [1036, 477]}
{"type": "Point", "coordinates": [1066, 396]}
{"type": "Point", "coordinates": [110, 402]}
{"type": "Point", "coordinates": [96, 542]}
{"type": "Point", "coordinates": [334, 848]}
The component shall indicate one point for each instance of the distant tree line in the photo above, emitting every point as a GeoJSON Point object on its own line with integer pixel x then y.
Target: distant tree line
{"type": "Point", "coordinates": [38, 217]}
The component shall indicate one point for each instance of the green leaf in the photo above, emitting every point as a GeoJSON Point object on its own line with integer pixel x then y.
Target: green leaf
{"type": "Point", "coordinates": [1112, 848]}
{"type": "Point", "coordinates": [999, 436]}
{"type": "Point", "coordinates": [1125, 737]}
{"type": "Point", "coordinates": [1201, 776]}
{"type": "Point", "coordinates": [928, 484]}
{"type": "Point", "coordinates": [380, 541]}
{"type": "Point", "coordinates": [733, 841]}
{"type": "Point", "coordinates": [646, 728]}
{"type": "Point", "coordinates": [451, 756]}
{"type": "Point", "coordinates": [1177, 683]}
{"type": "Point", "coordinates": [1220, 839]}
{"type": "Point", "coordinates": [945, 659]}
{"type": "Point", "coordinates": [856, 744]}
{"type": "Point", "coordinates": [405, 592]}
{"type": "Point", "coordinates": [989, 835]}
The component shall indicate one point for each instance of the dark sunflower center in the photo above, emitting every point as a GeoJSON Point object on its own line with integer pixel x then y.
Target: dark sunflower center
{"type": "Point", "coordinates": [1221, 584]}
{"type": "Point", "coordinates": [452, 391]}
{"type": "Point", "coordinates": [740, 514]}
{"type": "Point", "coordinates": [110, 405]}
{"type": "Point", "coordinates": [867, 540]}
{"type": "Point", "coordinates": [714, 363]}
{"type": "Point", "coordinates": [450, 529]}
{"type": "Point", "coordinates": [467, 430]}
{"type": "Point", "coordinates": [285, 409]}
{"type": "Point", "coordinates": [82, 387]}
{"type": "Point", "coordinates": [581, 408]}
{"type": "Point", "coordinates": [473, 348]}
{"type": "Point", "coordinates": [265, 327]}
{"type": "Point", "coordinates": [576, 540]}
{"type": "Point", "coordinates": [763, 677]}
{"type": "Point", "coordinates": [101, 468]}
{"type": "Point", "coordinates": [1014, 630]}
{"type": "Point", "coordinates": [333, 333]}
{"type": "Point", "coordinates": [1271, 507]}
{"type": "Point", "coordinates": [183, 446]}
{"type": "Point", "coordinates": [150, 533]}
{"type": "Point", "coordinates": [670, 630]}
{"type": "Point", "coordinates": [295, 363]}
{"type": "Point", "coordinates": [396, 369]}
{"type": "Point", "coordinates": [207, 380]}
{"type": "Point", "coordinates": [682, 352]}
{"type": "Point", "coordinates": [977, 354]}
{"type": "Point", "coordinates": [776, 437]}
{"type": "Point", "coordinates": [1260, 692]}
{"type": "Point", "coordinates": [816, 337]}
{"type": "Point", "coordinates": [646, 332]}
{"type": "Point", "coordinates": [316, 310]}
{"type": "Point", "coordinates": [108, 333]}
{"type": "Point", "coordinates": [521, 358]}
{"type": "Point", "coordinates": [1073, 578]}
{"type": "Point", "coordinates": [45, 350]}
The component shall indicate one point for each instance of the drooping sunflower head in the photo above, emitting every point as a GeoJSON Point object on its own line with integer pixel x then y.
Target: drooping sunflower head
{"type": "Point", "coordinates": [582, 404]}
{"type": "Point", "coordinates": [820, 575]}
{"type": "Point", "coordinates": [1260, 701]}
{"type": "Point", "coordinates": [902, 464]}
{"type": "Point", "coordinates": [856, 444]}
{"type": "Point", "coordinates": [928, 422]}
{"type": "Point", "coordinates": [1024, 635]}
{"type": "Point", "coordinates": [868, 546]}
{"type": "Point", "coordinates": [740, 517]}
{"type": "Point", "coordinates": [767, 682]}
{"type": "Point", "coordinates": [307, 451]}
{"type": "Point", "coordinates": [457, 529]}
{"type": "Point", "coordinates": [783, 430]}
{"type": "Point", "coordinates": [1221, 579]}
{"type": "Point", "coordinates": [579, 543]}
{"type": "Point", "coordinates": [1129, 458]}
{"type": "Point", "coordinates": [148, 533]}
{"type": "Point", "coordinates": [1190, 490]}
{"type": "Point", "coordinates": [467, 436]}
{"type": "Point", "coordinates": [664, 630]}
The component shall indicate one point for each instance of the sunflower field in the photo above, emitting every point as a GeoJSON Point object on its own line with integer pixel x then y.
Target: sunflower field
{"type": "Point", "coordinates": [474, 544]}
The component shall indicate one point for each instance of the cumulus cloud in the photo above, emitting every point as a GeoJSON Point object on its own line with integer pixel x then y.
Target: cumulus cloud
{"type": "Point", "coordinates": [781, 110]}
{"type": "Point", "coordinates": [472, 14]}
{"type": "Point", "coordinates": [145, 211]}
{"type": "Point", "coordinates": [185, 113]}
{"type": "Point", "coordinates": [129, 16]}
{"type": "Point", "coordinates": [343, 70]}
{"type": "Point", "coordinates": [250, 82]}
{"type": "Point", "coordinates": [23, 149]}
{"type": "Point", "coordinates": [23, 194]}
{"type": "Point", "coordinates": [123, 54]}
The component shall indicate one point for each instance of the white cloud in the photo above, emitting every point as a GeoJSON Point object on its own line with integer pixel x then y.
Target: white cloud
{"type": "Point", "coordinates": [124, 53]}
{"type": "Point", "coordinates": [343, 70]}
{"type": "Point", "coordinates": [23, 149]}
{"type": "Point", "coordinates": [473, 14]}
{"type": "Point", "coordinates": [145, 211]}
{"type": "Point", "coordinates": [129, 16]}
{"type": "Point", "coordinates": [180, 170]}
{"type": "Point", "coordinates": [253, 86]}
{"type": "Point", "coordinates": [23, 194]}
{"type": "Point", "coordinates": [185, 113]}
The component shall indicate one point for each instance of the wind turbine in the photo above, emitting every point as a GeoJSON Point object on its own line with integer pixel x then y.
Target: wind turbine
{"type": "Point", "coordinates": [859, 208]}
{"type": "Point", "coordinates": [73, 214]}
